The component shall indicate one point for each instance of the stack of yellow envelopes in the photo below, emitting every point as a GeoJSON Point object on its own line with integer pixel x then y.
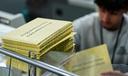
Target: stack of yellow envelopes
{"type": "Point", "coordinates": [39, 36]}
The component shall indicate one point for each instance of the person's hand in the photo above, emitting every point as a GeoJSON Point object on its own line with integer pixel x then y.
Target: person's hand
{"type": "Point", "coordinates": [113, 73]}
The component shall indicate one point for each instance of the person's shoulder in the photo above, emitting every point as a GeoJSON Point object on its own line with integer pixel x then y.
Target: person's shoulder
{"type": "Point", "coordinates": [85, 21]}
{"type": "Point", "coordinates": [91, 15]}
{"type": "Point", "coordinates": [87, 17]}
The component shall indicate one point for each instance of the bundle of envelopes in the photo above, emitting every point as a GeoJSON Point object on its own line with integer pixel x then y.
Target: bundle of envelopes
{"type": "Point", "coordinates": [39, 36]}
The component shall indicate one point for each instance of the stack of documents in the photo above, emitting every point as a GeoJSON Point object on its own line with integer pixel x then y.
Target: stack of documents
{"type": "Point", "coordinates": [39, 36]}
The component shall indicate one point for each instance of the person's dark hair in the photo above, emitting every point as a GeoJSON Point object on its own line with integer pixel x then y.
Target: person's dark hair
{"type": "Point", "coordinates": [112, 5]}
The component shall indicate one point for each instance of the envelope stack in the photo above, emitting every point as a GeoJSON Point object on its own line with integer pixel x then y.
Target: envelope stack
{"type": "Point", "coordinates": [39, 36]}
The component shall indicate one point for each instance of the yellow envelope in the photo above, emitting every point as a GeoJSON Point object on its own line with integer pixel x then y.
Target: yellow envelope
{"type": "Point", "coordinates": [90, 62]}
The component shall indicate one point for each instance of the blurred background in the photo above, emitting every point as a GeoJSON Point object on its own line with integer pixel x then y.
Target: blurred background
{"type": "Point", "coordinates": [55, 9]}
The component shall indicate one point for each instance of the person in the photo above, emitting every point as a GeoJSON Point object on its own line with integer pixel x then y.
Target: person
{"type": "Point", "coordinates": [110, 26]}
